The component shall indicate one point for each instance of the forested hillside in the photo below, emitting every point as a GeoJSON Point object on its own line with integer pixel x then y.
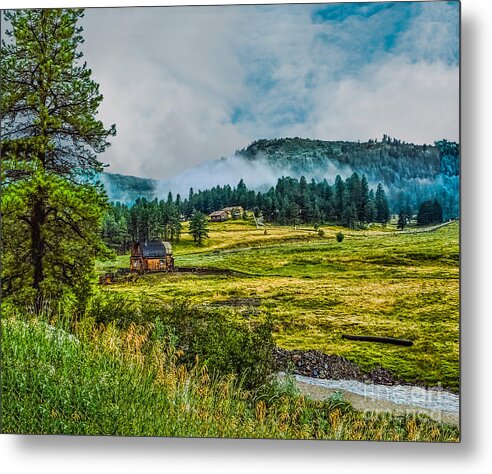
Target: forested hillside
{"type": "Point", "coordinates": [411, 174]}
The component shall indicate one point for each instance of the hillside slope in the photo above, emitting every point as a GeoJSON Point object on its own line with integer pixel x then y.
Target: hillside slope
{"type": "Point", "coordinates": [410, 173]}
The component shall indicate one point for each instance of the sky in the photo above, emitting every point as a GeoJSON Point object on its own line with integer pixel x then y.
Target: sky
{"type": "Point", "coordinates": [189, 84]}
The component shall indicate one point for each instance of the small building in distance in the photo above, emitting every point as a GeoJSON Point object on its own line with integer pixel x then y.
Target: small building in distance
{"type": "Point", "coordinates": [151, 256]}
{"type": "Point", "coordinates": [235, 212]}
{"type": "Point", "coordinates": [219, 216]}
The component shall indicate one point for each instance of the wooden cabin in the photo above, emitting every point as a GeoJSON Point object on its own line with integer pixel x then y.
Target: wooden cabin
{"type": "Point", "coordinates": [235, 212]}
{"type": "Point", "coordinates": [218, 216]}
{"type": "Point", "coordinates": [152, 256]}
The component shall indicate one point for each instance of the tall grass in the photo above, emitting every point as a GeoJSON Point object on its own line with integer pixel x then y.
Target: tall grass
{"type": "Point", "coordinates": [101, 379]}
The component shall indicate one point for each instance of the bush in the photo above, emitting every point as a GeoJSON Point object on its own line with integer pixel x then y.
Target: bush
{"type": "Point", "coordinates": [340, 237]}
{"type": "Point", "coordinates": [321, 232]}
{"type": "Point", "coordinates": [108, 307]}
{"type": "Point", "coordinates": [224, 346]}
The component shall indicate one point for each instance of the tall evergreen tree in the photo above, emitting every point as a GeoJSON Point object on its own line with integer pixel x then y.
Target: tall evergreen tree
{"type": "Point", "coordinates": [402, 220]}
{"type": "Point", "coordinates": [340, 197]}
{"type": "Point", "coordinates": [349, 217]}
{"type": "Point", "coordinates": [382, 208]}
{"type": "Point", "coordinates": [199, 227]}
{"type": "Point", "coordinates": [354, 191]}
{"type": "Point", "coordinates": [50, 142]}
{"type": "Point", "coordinates": [175, 226]}
{"type": "Point", "coordinates": [430, 212]}
{"type": "Point", "coordinates": [365, 209]}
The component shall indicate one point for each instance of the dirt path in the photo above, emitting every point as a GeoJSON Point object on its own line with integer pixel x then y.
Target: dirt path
{"type": "Point", "coordinates": [418, 230]}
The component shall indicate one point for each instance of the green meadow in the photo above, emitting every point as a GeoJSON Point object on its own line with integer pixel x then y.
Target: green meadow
{"type": "Point", "coordinates": [313, 289]}
{"type": "Point", "coordinates": [189, 354]}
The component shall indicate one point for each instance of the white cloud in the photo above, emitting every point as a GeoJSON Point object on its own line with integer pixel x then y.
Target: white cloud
{"type": "Point", "coordinates": [433, 35]}
{"type": "Point", "coordinates": [170, 79]}
{"type": "Point", "coordinates": [173, 78]}
{"type": "Point", "coordinates": [415, 102]}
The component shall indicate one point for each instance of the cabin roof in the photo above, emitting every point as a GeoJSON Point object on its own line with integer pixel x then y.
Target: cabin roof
{"type": "Point", "coordinates": [233, 208]}
{"type": "Point", "coordinates": [217, 213]}
{"type": "Point", "coordinates": [155, 248]}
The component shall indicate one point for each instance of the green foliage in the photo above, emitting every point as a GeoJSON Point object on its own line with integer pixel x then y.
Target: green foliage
{"type": "Point", "coordinates": [340, 237]}
{"type": "Point", "coordinates": [199, 227]}
{"type": "Point", "coordinates": [291, 202]}
{"type": "Point", "coordinates": [49, 101]}
{"type": "Point", "coordinates": [381, 205]}
{"type": "Point", "coordinates": [71, 235]}
{"type": "Point", "coordinates": [400, 166]}
{"type": "Point", "coordinates": [106, 308]}
{"type": "Point", "coordinates": [226, 346]}
{"type": "Point", "coordinates": [430, 212]}
{"type": "Point", "coordinates": [402, 220]}
{"type": "Point", "coordinates": [50, 140]}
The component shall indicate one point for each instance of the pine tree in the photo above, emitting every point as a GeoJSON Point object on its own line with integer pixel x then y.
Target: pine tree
{"type": "Point", "coordinates": [402, 220]}
{"type": "Point", "coordinates": [340, 198]}
{"type": "Point", "coordinates": [199, 227]}
{"type": "Point", "coordinates": [430, 212]}
{"type": "Point", "coordinates": [175, 226]}
{"type": "Point", "coordinates": [365, 209]}
{"type": "Point", "coordinates": [349, 217]}
{"type": "Point", "coordinates": [354, 191]}
{"type": "Point", "coordinates": [382, 208]}
{"type": "Point", "coordinates": [50, 141]}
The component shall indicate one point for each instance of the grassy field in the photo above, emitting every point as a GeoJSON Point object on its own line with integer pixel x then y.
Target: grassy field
{"type": "Point", "coordinates": [314, 289]}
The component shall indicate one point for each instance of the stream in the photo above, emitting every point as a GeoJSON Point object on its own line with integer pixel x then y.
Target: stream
{"type": "Point", "coordinates": [439, 405]}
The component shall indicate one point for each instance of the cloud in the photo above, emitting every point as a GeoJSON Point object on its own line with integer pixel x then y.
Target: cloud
{"type": "Point", "coordinates": [170, 78]}
{"type": "Point", "coordinates": [433, 35]}
{"type": "Point", "coordinates": [415, 102]}
{"type": "Point", "coordinates": [190, 84]}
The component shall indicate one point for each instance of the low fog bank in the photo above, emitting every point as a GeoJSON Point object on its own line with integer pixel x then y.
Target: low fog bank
{"type": "Point", "coordinates": [257, 174]}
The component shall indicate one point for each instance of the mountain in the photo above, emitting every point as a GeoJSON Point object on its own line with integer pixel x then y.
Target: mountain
{"type": "Point", "coordinates": [410, 173]}
{"type": "Point", "coordinates": [389, 160]}
{"type": "Point", "coordinates": [127, 189]}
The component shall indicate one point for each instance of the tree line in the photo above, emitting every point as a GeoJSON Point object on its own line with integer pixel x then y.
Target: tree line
{"type": "Point", "coordinates": [411, 173]}
{"type": "Point", "coordinates": [350, 203]}
{"type": "Point", "coordinates": [347, 202]}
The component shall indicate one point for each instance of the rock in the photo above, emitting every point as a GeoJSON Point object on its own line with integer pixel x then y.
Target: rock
{"type": "Point", "coordinates": [320, 365]}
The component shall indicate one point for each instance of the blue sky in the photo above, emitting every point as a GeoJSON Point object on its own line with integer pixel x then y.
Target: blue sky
{"type": "Point", "coordinates": [185, 85]}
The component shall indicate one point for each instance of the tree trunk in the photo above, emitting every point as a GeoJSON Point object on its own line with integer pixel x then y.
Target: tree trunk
{"type": "Point", "coordinates": [38, 248]}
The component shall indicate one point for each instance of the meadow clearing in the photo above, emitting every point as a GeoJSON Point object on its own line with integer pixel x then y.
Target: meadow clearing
{"type": "Point", "coordinates": [313, 289]}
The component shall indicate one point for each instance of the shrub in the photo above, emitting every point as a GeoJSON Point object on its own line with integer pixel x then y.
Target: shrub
{"type": "Point", "coordinates": [321, 232]}
{"type": "Point", "coordinates": [224, 346]}
{"type": "Point", "coordinates": [340, 237]}
{"type": "Point", "coordinates": [108, 307]}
